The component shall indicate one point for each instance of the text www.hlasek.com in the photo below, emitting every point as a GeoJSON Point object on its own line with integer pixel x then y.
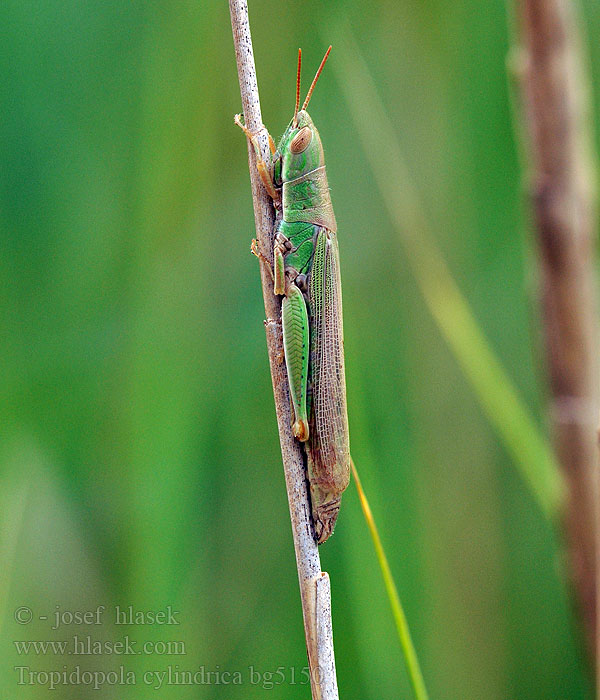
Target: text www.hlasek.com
{"type": "Point", "coordinates": [86, 645]}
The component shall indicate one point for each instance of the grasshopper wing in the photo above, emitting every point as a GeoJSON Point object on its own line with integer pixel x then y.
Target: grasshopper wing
{"type": "Point", "coordinates": [328, 447]}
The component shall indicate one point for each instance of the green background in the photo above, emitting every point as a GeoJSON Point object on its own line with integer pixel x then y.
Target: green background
{"type": "Point", "coordinates": [139, 456]}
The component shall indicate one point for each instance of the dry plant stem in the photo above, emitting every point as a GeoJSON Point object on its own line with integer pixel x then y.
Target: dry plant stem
{"type": "Point", "coordinates": [314, 584]}
{"type": "Point", "coordinates": [562, 188]}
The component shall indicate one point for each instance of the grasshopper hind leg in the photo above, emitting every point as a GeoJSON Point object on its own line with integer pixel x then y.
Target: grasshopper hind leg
{"type": "Point", "coordinates": [294, 316]}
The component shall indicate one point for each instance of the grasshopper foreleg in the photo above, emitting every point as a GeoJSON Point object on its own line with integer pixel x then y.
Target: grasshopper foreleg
{"type": "Point", "coordinates": [263, 168]}
{"type": "Point", "coordinates": [255, 250]}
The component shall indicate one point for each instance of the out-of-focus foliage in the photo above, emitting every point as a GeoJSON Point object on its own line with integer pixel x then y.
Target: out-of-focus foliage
{"type": "Point", "coordinates": [139, 458]}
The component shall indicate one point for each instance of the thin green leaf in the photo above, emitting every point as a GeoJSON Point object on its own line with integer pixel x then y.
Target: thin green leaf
{"type": "Point", "coordinates": [410, 655]}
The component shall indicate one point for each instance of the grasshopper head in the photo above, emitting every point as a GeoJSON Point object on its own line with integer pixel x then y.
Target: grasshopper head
{"type": "Point", "coordinates": [300, 149]}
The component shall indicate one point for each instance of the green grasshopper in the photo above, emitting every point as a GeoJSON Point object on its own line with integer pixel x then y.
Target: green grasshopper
{"type": "Point", "coordinates": [306, 272]}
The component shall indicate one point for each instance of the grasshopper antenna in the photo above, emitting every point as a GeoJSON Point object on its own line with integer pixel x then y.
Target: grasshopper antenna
{"type": "Point", "coordinates": [314, 82]}
{"type": "Point", "coordinates": [298, 87]}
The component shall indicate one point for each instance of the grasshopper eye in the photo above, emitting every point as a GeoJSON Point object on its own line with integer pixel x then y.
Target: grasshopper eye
{"type": "Point", "coordinates": [301, 140]}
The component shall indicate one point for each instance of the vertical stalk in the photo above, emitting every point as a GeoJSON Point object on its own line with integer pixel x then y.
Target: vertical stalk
{"type": "Point", "coordinates": [315, 592]}
{"type": "Point", "coordinates": [562, 189]}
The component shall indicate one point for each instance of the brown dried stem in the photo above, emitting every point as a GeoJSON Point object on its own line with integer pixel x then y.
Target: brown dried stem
{"type": "Point", "coordinates": [314, 584]}
{"type": "Point", "coordinates": [563, 195]}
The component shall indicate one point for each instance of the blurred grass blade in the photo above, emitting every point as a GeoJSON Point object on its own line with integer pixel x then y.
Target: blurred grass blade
{"type": "Point", "coordinates": [506, 411]}
{"type": "Point", "coordinates": [408, 649]}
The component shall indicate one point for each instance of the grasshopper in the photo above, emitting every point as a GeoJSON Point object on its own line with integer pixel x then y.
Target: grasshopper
{"type": "Point", "coordinates": [306, 273]}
